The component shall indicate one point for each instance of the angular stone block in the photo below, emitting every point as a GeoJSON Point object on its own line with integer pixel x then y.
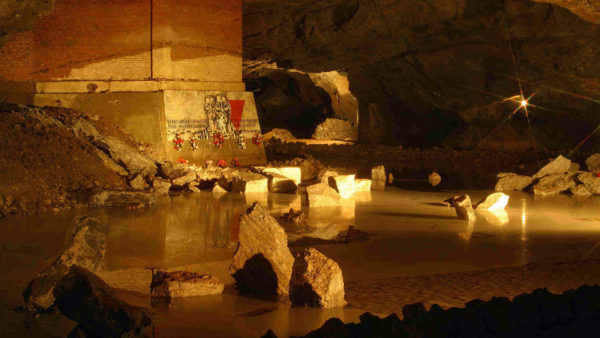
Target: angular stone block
{"type": "Point", "coordinates": [344, 184]}
{"type": "Point", "coordinates": [322, 195]}
{"type": "Point", "coordinates": [464, 208]}
{"type": "Point", "coordinates": [246, 182]}
{"type": "Point", "coordinates": [378, 178]}
{"type": "Point", "coordinates": [362, 185]}
{"type": "Point", "coordinates": [495, 201]}
{"type": "Point", "coordinates": [511, 181]}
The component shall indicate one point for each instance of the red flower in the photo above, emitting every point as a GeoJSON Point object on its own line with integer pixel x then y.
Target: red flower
{"type": "Point", "coordinates": [235, 162]}
{"type": "Point", "coordinates": [182, 161]}
{"type": "Point", "coordinates": [222, 163]}
{"type": "Point", "coordinates": [256, 139]}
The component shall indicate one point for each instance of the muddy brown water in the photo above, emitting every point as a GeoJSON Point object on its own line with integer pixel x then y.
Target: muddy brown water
{"type": "Point", "coordinates": [415, 243]}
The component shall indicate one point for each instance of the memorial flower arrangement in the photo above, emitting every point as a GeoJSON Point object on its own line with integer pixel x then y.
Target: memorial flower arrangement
{"type": "Point", "coordinates": [235, 162]}
{"type": "Point", "coordinates": [256, 139]}
{"type": "Point", "coordinates": [182, 161]}
{"type": "Point", "coordinates": [218, 140]}
{"type": "Point", "coordinates": [222, 163]}
{"type": "Point", "coordinates": [194, 143]}
{"type": "Point", "coordinates": [178, 142]}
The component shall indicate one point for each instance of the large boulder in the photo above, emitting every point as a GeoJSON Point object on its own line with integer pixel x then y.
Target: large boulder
{"type": "Point", "coordinates": [464, 208]}
{"type": "Point", "coordinates": [511, 181]}
{"type": "Point", "coordinates": [322, 195]}
{"type": "Point", "coordinates": [248, 182]}
{"type": "Point", "coordinates": [495, 201]}
{"type": "Point", "coordinates": [593, 162]}
{"type": "Point", "coordinates": [343, 184]}
{"type": "Point", "coordinates": [580, 190]}
{"type": "Point", "coordinates": [336, 129]}
{"type": "Point", "coordinates": [316, 281]}
{"type": "Point", "coordinates": [362, 185]}
{"type": "Point", "coordinates": [554, 184]}
{"type": "Point", "coordinates": [85, 298]}
{"type": "Point", "coordinates": [557, 166]}
{"type": "Point", "coordinates": [120, 198]}
{"type": "Point", "coordinates": [161, 186]}
{"type": "Point", "coordinates": [177, 284]}
{"type": "Point", "coordinates": [173, 170]}
{"type": "Point", "coordinates": [262, 263]}
{"type": "Point", "coordinates": [292, 173]}
{"type": "Point", "coordinates": [85, 246]}
{"type": "Point", "coordinates": [378, 178]}
{"type": "Point", "coordinates": [133, 161]}
{"type": "Point", "coordinates": [591, 181]}
{"type": "Point", "coordinates": [182, 182]}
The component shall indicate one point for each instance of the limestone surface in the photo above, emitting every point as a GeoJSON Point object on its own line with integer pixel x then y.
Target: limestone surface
{"type": "Point", "coordinates": [511, 181]}
{"type": "Point", "coordinates": [177, 284]}
{"type": "Point", "coordinates": [161, 186]}
{"type": "Point", "coordinates": [591, 181]}
{"type": "Point", "coordinates": [495, 201]}
{"type": "Point", "coordinates": [557, 166]}
{"type": "Point", "coordinates": [262, 263]}
{"type": "Point", "coordinates": [464, 208]}
{"type": "Point", "coordinates": [593, 162]}
{"type": "Point", "coordinates": [248, 182]}
{"type": "Point", "coordinates": [316, 281]}
{"type": "Point", "coordinates": [554, 184]}
{"type": "Point", "coordinates": [580, 190]}
{"type": "Point", "coordinates": [322, 195]}
{"type": "Point", "coordinates": [378, 178]}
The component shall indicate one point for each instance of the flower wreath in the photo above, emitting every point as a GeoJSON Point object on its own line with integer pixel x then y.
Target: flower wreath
{"type": "Point", "coordinates": [222, 163]}
{"type": "Point", "coordinates": [178, 142]}
{"type": "Point", "coordinates": [235, 162]}
{"type": "Point", "coordinates": [218, 140]}
{"type": "Point", "coordinates": [194, 143]}
{"type": "Point", "coordinates": [256, 139]}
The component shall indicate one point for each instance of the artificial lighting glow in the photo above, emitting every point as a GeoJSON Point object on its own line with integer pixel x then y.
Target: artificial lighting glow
{"type": "Point", "coordinates": [524, 103]}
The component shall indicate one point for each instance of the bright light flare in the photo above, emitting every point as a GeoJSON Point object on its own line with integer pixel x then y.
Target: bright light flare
{"type": "Point", "coordinates": [524, 103]}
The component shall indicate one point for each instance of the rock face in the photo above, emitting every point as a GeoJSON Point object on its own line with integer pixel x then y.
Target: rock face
{"type": "Point", "coordinates": [161, 186]}
{"type": "Point", "coordinates": [464, 208]}
{"type": "Point", "coordinates": [134, 162]}
{"type": "Point", "coordinates": [316, 281]}
{"type": "Point", "coordinates": [557, 166]}
{"type": "Point", "coordinates": [322, 195]}
{"type": "Point", "coordinates": [593, 162]}
{"type": "Point", "coordinates": [138, 183]}
{"type": "Point", "coordinates": [85, 246]}
{"type": "Point", "coordinates": [554, 184]}
{"type": "Point", "coordinates": [434, 179]}
{"type": "Point", "coordinates": [510, 181]}
{"type": "Point", "coordinates": [378, 178]}
{"type": "Point", "coordinates": [176, 284]}
{"type": "Point", "coordinates": [496, 201]}
{"type": "Point", "coordinates": [591, 182]}
{"type": "Point", "coordinates": [122, 199]}
{"type": "Point", "coordinates": [280, 134]}
{"type": "Point", "coordinates": [344, 185]}
{"type": "Point", "coordinates": [580, 190]}
{"type": "Point", "coordinates": [83, 297]}
{"type": "Point", "coordinates": [335, 129]}
{"type": "Point", "coordinates": [262, 263]}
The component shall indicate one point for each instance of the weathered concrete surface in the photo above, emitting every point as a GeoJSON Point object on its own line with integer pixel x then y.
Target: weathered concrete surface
{"type": "Point", "coordinates": [262, 263]}
{"type": "Point", "coordinates": [177, 284]}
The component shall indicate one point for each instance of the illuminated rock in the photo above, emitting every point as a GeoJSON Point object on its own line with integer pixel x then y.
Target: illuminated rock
{"type": "Point", "coordinates": [283, 180]}
{"type": "Point", "coordinates": [574, 166]}
{"type": "Point", "coordinates": [193, 186]}
{"type": "Point", "coordinates": [295, 220]}
{"type": "Point", "coordinates": [497, 217]}
{"type": "Point", "coordinates": [378, 178]}
{"type": "Point", "coordinates": [280, 134]}
{"type": "Point", "coordinates": [217, 189]}
{"type": "Point", "coordinates": [591, 182]}
{"type": "Point", "coordinates": [494, 201]}
{"type": "Point", "coordinates": [125, 155]}
{"type": "Point", "coordinates": [246, 182]}
{"type": "Point", "coordinates": [554, 184]}
{"type": "Point", "coordinates": [511, 181]}
{"type": "Point", "coordinates": [161, 186]}
{"type": "Point", "coordinates": [309, 167]}
{"type": "Point", "coordinates": [336, 129]}
{"type": "Point", "coordinates": [86, 247]}
{"type": "Point", "coordinates": [173, 170]}
{"type": "Point", "coordinates": [110, 164]}
{"type": "Point", "coordinates": [593, 162]}
{"type": "Point", "coordinates": [293, 173]}
{"type": "Point", "coordinates": [177, 284]}
{"type": "Point", "coordinates": [316, 281]}
{"type": "Point", "coordinates": [122, 199]}
{"type": "Point", "coordinates": [434, 179]}
{"type": "Point", "coordinates": [262, 263]}
{"type": "Point", "coordinates": [344, 185]}
{"type": "Point", "coordinates": [182, 181]}
{"type": "Point", "coordinates": [322, 195]}
{"type": "Point", "coordinates": [362, 185]}
{"type": "Point", "coordinates": [138, 183]}
{"type": "Point", "coordinates": [86, 299]}
{"type": "Point", "coordinates": [580, 190]}
{"type": "Point", "coordinates": [390, 180]}
{"type": "Point", "coordinates": [464, 208]}
{"type": "Point", "coordinates": [557, 166]}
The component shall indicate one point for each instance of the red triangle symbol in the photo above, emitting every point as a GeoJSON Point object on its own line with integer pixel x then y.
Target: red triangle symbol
{"type": "Point", "coordinates": [237, 109]}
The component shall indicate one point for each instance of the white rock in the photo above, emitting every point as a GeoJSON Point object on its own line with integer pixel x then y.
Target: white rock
{"type": "Point", "coordinates": [494, 201]}
{"type": "Point", "coordinates": [322, 195]}
{"type": "Point", "coordinates": [557, 166]}
{"type": "Point", "coordinates": [362, 185]}
{"type": "Point", "coordinates": [344, 185]}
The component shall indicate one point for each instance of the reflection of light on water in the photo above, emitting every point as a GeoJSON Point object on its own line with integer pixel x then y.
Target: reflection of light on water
{"type": "Point", "coordinates": [524, 251]}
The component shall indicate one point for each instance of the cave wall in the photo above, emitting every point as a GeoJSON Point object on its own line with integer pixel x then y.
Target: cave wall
{"type": "Point", "coordinates": [430, 72]}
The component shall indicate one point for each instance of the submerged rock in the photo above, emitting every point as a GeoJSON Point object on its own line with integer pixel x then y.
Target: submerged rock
{"type": "Point", "coordinates": [494, 201]}
{"type": "Point", "coordinates": [511, 181]}
{"type": "Point", "coordinates": [554, 184]}
{"type": "Point", "coordinates": [262, 263]}
{"type": "Point", "coordinates": [85, 246]}
{"type": "Point", "coordinates": [176, 284]}
{"type": "Point", "coordinates": [378, 178]}
{"type": "Point", "coordinates": [322, 195]}
{"type": "Point", "coordinates": [85, 298]}
{"type": "Point", "coordinates": [464, 208]}
{"type": "Point", "coordinates": [123, 199]}
{"type": "Point", "coordinates": [557, 166]}
{"type": "Point", "coordinates": [316, 281]}
{"type": "Point", "coordinates": [434, 179]}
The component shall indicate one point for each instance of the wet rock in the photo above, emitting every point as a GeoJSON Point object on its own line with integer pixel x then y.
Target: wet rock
{"type": "Point", "coordinates": [292, 173]}
{"type": "Point", "coordinates": [248, 182]}
{"type": "Point", "coordinates": [554, 184]}
{"type": "Point", "coordinates": [335, 129]}
{"type": "Point", "coordinates": [322, 195]}
{"type": "Point", "coordinates": [181, 182]}
{"type": "Point", "coordinates": [110, 164]}
{"type": "Point", "coordinates": [511, 181]}
{"type": "Point", "coordinates": [330, 234]}
{"type": "Point", "coordinates": [362, 185]}
{"type": "Point", "coordinates": [557, 166]}
{"type": "Point", "coordinates": [176, 284]}
{"type": "Point", "coordinates": [309, 167]}
{"type": "Point", "coordinates": [497, 217]}
{"type": "Point", "coordinates": [280, 134]}
{"type": "Point", "coordinates": [138, 183]}
{"type": "Point", "coordinates": [580, 190]}
{"type": "Point", "coordinates": [262, 263]}
{"type": "Point", "coordinates": [593, 162]}
{"type": "Point", "coordinates": [434, 179]}
{"type": "Point", "coordinates": [161, 186]}
{"type": "Point", "coordinates": [217, 189]}
{"type": "Point", "coordinates": [85, 298]}
{"type": "Point", "coordinates": [123, 199]}
{"type": "Point", "coordinates": [296, 220]}
{"type": "Point", "coordinates": [85, 246]}
{"type": "Point", "coordinates": [343, 184]}
{"type": "Point", "coordinates": [591, 182]}
{"type": "Point", "coordinates": [173, 170]}
{"type": "Point", "coordinates": [378, 178]}
{"type": "Point", "coordinates": [464, 208]}
{"type": "Point", "coordinates": [494, 201]}
{"type": "Point", "coordinates": [281, 184]}
{"type": "Point", "coordinates": [316, 281]}
{"type": "Point", "coordinates": [133, 161]}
